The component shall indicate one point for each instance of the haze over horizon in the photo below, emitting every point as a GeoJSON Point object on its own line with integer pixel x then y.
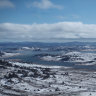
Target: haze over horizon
{"type": "Point", "coordinates": [47, 20]}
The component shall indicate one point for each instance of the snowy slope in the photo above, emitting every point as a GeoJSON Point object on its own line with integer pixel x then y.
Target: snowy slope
{"type": "Point", "coordinates": [22, 79]}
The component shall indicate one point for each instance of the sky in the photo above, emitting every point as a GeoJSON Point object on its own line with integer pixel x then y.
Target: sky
{"type": "Point", "coordinates": [47, 20]}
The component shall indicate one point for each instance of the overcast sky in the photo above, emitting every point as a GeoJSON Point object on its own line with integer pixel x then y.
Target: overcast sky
{"type": "Point", "coordinates": [47, 20]}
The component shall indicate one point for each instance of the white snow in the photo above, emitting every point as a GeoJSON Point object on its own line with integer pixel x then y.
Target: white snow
{"type": "Point", "coordinates": [62, 79]}
{"type": "Point", "coordinates": [72, 57]}
{"type": "Point", "coordinates": [50, 58]}
{"type": "Point", "coordinates": [30, 48]}
{"type": "Point", "coordinates": [9, 54]}
{"type": "Point", "coordinates": [87, 94]}
{"type": "Point", "coordinates": [85, 56]}
{"type": "Point", "coordinates": [35, 65]}
{"type": "Point", "coordinates": [26, 48]}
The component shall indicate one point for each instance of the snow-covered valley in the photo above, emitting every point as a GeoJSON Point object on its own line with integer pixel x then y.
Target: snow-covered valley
{"type": "Point", "coordinates": [48, 70]}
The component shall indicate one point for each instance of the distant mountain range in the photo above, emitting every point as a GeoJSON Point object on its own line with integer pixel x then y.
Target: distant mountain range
{"type": "Point", "coordinates": [29, 44]}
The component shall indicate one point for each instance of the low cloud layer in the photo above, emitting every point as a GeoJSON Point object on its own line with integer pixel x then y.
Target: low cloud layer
{"type": "Point", "coordinates": [44, 32]}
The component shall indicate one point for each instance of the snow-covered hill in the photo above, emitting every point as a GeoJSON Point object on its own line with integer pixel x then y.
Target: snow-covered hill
{"type": "Point", "coordinates": [71, 57]}
{"type": "Point", "coordinates": [31, 48]}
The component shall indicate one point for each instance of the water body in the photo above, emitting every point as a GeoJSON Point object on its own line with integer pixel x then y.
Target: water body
{"type": "Point", "coordinates": [28, 56]}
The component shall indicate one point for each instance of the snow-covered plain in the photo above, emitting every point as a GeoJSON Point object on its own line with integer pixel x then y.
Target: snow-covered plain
{"type": "Point", "coordinates": [22, 79]}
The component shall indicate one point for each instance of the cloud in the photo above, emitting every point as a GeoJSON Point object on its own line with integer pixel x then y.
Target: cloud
{"type": "Point", "coordinates": [6, 4]}
{"type": "Point", "coordinates": [45, 32]}
{"type": "Point", "coordinates": [75, 16]}
{"type": "Point", "coordinates": [62, 17]}
{"type": "Point", "coordinates": [70, 17]}
{"type": "Point", "coordinates": [44, 4]}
